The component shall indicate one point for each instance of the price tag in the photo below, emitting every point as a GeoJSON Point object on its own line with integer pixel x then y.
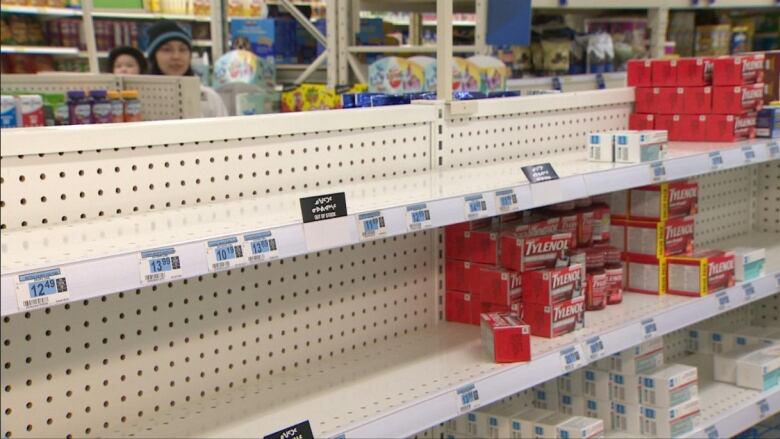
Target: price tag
{"type": "Point", "coordinates": [418, 217]}
{"type": "Point", "coordinates": [649, 328]}
{"type": "Point", "coordinates": [774, 149]}
{"type": "Point", "coordinates": [712, 432]}
{"type": "Point", "coordinates": [323, 207]}
{"type": "Point", "coordinates": [750, 154]}
{"type": "Point", "coordinates": [723, 300]}
{"type": "Point", "coordinates": [763, 408]}
{"type": "Point", "coordinates": [749, 290]}
{"type": "Point", "coordinates": [600, 83]}
{"type": "Point", "coordinates": [657, 172]}
{"type": "Point", "coordinates": [371, 225]}
{"type": "Point", "coordinates": [475, 206]}
{"type": "Point", "coordinates": [42, 288]}
{"type": "Point", "coordinates": [572, 358]}
{"type": "Point", "coordinates": [506, 201]}
{"type": "Point", "coordinates": [716, 160]}
{"type": "Point", "coordinates": [467, 398]}
{"type": "Point", "coordinates": [159, 265]}
{"type": "Point", "coordinates": [260, 247]}
{"type": "Point", "coordinates": [556, 81]}
{"type": "Point", "coordinates": [223, 254]}
{"type": "Point", "coordinates": [594, 348]}
{"type": "Point", "coordinates": [301, 430]}
{"type": "Point", "coordinates": [540, 173]}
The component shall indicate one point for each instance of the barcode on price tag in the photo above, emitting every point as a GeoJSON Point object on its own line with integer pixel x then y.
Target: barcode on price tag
{"type": "Point", "coordinates": [763, 408]}
{"type": "Point", "coordinates": [594, 348]}
{"type": "Point", "coordinates": [223, 254]}
{"type": "Point", "coordinates": [712, 432]}
{"type": "Point", "coordinates": [260, 246]}
{"type": "Point", "coordinates": [774, 149]}
{"type": "Point", "coordinates": [716, 160]}
{"type": "Point", "coordinates": [749, 290]}
{"type": "Point", "coordinates": [750, 155]}
{"type": "Point", "coordinates": [657, 172]}
{"type": "Point", "coordinates": [506, 201]}
{"type": "Point", "coordinates": [649, 328]}
{"type": "Point", "coordinates": [468, 398]}
{"type": "Point", "coordinates": [41, 288]}
{"type": "Point", "coordinates": [723, 300]}
{"type": "Point", "coordinates": [571, 358]}
{"type": "Point", "coordinates": [159, 265]}
{"type": "Point", "coordinates": [418, 217]}
{"type": "Point", "coordinates": [475, 206]}
{"type": "Point", "coordinates": [371, 225]}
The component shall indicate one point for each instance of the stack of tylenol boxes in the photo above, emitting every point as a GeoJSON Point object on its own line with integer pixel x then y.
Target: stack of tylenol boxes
{"type": "Point", "coordinates": [628, 146]}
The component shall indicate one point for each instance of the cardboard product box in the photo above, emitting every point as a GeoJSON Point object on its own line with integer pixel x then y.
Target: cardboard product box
{"type": "Point", "coordinates": [644, 274]}
{"type": "Point", "coordinates": [697, 100]}
{"type": "Point", "coordinates": [572, 405]}
{"type": "Point", "coordinates": [668, 386]}
{"type": "Point", "coordinates": [546, 395]}
{"type": "Point", "coordinates": [568, 222]}
{"type": "Point", "coordinates": [669, 100]}
{"type": "Point", "coordinates": [639, 359]}
{"type": "Point", "coordinates": [672, 124]}
{"type": "Point", "coordinates": [456, 274]}
{"type": "Point", "coordinates": [572, 383]}
{"type": "Point", "coordinates": [639, 73]}
{"type": "Point", "coordinates": [748, 262]}
{"type": "Point", "coordinates": [737, 99]}
{"type": "Point", "coordinates": [701, 335]}
{"type": "Point", "coordinates": [673, 236]}
{"type": "Point", "coordinates": [645, 99]}
{"type": "Point", "coordinates": [495, 420]}
{"type": "Point", "coordinates": [670, 422]}
{"type": "Point", "coordinates": [725, 363]}
{"type": "Point", "coordinates": [533, 225]}
{"type": "Point", "coordinates": [596, 290]}
{"type": "Point", "coordinates": [548, 427]}
{"type": "Point", "coordinates": [601, 220]}
{"type": "Point", "coordinates": [596, 383]}
{"type": "Point", "coordinates": [462, 307]}
{"type": "Point", "coordinates": [526, 421]}
{"type": "Point", "coordinates": [488, 307]}
{"type": "Point", "coordinates": [772, 76]}
{"type": "Point", "coordinates": [625, 417]}
{"type": "Point", "coordinates": [533, 252]}
{"type": "Point", "coordinates": [639, 146]}
{"type": "Point", "coordinates": [556, 319]}
{"type": "Point", "coordinates": [730, 128]}
{"type": "Point", "coordinates": [482, 246]}
{"type": "Point", "coordinates": [495, 285]}
{"type": "Point", "coordinates": [693, 127]}
{"type": "Point", "coordinates": [617, 233]}
{"type": "Point", "coordinates": [694, 72]}
{"type": "Point", "coordinates": [618, 204]}
{"type": "Point", "coordinates": [752, 336]}
{"type": "Point", "coordinates": [700, 274]}
{"type": "Point", "coordinates": [581, 427]}
{"type": "Point", "coordinates": [660, 202]}
{"type": "Point", "coordinates": [641, 121]}
{"type": "Point", "coordinates": [768, 123]}
{"type": "Point", "coordinates": [738, 69]}
{"type": "Point", "coordinates": [759, 370]}
{"type": "Point", "coordinates": [600, 147]}
{"type": "Point", "coordinates": [624, 388]}
{"type": "Point", "coordinates": [553, 285]}
{"type": "Point", "coordinates": [598, 409]}
{"type": "Point", "coordinates": [664, 72]}
{"type": "Point", "coordinates": [505, 338]}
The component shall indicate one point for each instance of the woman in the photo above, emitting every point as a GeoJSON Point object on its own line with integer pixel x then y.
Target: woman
{"type": "Point", "coordinates": [169, 53]}
{"type": "Point", "coordinates": [126, 60]}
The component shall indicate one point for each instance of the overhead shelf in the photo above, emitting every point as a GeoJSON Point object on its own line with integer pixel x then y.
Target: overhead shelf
{"type": "Point", "coordinates": [40, 50]}
{"type": "Point", "coordinates": [144, 15]}
{"type": "Point", "coordinates": [34, 10]}
{"type": "Point", "coordinates": [398, 387]}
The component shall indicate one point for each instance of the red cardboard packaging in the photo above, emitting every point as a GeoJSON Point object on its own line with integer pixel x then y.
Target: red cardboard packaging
{"type": "Point", "coordinates": [554, 320]}
{"type": "Point", "coordinates": [641, 121]}
{"type": "Point", "coordinates": [585, 218]}
{"type": "Point", "coordinates": [772, 76]}
{"type": "Point", "coordinates": [569, 223]}
{"type": "Point", "coordinates": [694, 71]}
{"type": "Point", "coordinates": [601, 220]}
{"type": "Point", "coordinates": [645, 99]}
{"type": "Point", "coordinates": [664, 72]}
{"type": "Point", "coordinates": [659, 202]}
{"type": "Point", "coordinates": [505, 338]}
{"type": "Point", "coordinates": [738, 69]}
{"type": "Point", "coordinates": [693, 127]}
{"type": "Point", "coordinates": [729, 128]}
{"type": "Point", "coordinates": [520, 253]}
{"type": "Point", "coordinates": [462, 307]}
{"type": "Point", "coordinates": [456, 274]}
{"type": "Point", "coordinates": [669, 100]}
{"type": "Point", "coordinates": [495, 285]}
{"type": "Point", "coordinates": [644, 274]}
{"type": "Point", "coordinates": [553, 285]}
{"type": "Point", "coordinates": [492, 307]}
{"type": "Point", "coordinates": [698, 100]}
{"type": "Point", "coordinates": [659, 238]}
{"type": "Point", "coordinates": [671, 123]}
{"type": "Point", "coordinates": [700, 274]}
{"type": "Point", "coordinates": [532, 226]}
{"type": "Point", "coordinates": [614, 283]}
{"type": "Point", "coordinates": [455, 237]}
{"type": "Point", "coordinates": [738, 99]}
{"type": "Point", "coordinates": [596, 290]}
{"type": "Point", "coordinates": [639, 73]}
{"type": "Point", "coordinates": [482, 246]}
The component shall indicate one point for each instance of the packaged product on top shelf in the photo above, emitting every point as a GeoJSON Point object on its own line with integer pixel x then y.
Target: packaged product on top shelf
{"type": "Point", "coordinates": [664, 72]}
{"type": "Point", "coordinates": [697, 100]}
{"type": "Point", "coordinates": [673, 236]}
{"type": "Point", "coordinates": [660, 202]}
{"type": "Point", "coordinates": [641, 358]}
{"type": "Point", "coordinates": [644, 274]}
{"type": "Point", "coordinates": [494, 284]}
{"type": "Point", "coordinates": [456, 274]}
{"type": "Point", "coordinates": [505, 338]}
{"type": "Point", "coordinates": [79, 108]}
{"type": "Point", "coordinates": [8, 112]}
{"type": "Point", "coordinates": [668, 100]}
{"type": "Point", "coordinates": [492, 72]}
{"type": "Point", "coordinates": [640, 146]}
{"type": "Point", "coordinates": [737, 99]}
{"type": "Point", "coordinates": [555, 319]}
{"type": "Point", "coordinates": [395, 75]}
{"type": "Point", "coordinates": [700, 274]}
{"type": "Point", "coordinates": [694, 72]}
{"type": "Point", "coordinates": [601, 147]}
{"type": "Point", "coordinates": [533, 252]}
{"type": "Point", "coordinates": [730, 128]}
{"type": "Point", "coordinates": [31, 110]}
{"type": "Point", "coordinates": [725, 363]}
{"type": "Point", "coordinates": [748, 262]}
{"type": "Point", "coordinates": [738, 70]}
{"type": "Point", "coordinates": [759, 370]}
{"type": "Point", "coordinates": [639, 73]}
{"type": "Point", "coordinates": [552, 285]}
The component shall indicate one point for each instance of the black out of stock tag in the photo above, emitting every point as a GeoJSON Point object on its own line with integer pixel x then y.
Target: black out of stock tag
{"type": "Point", "coordinates": [323, 207]}
{"type": "Point", "coordinates": [540, 173]}
{"type": "Point", "coordinates": [298, 431]}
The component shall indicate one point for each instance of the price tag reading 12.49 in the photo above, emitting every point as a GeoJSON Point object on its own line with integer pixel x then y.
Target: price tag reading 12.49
{"type": "Point", "coordinates": [475, 206]}
{"type": "Point", "coordinates": [468, 398]}
{"type": "Point", "coordinates": [42, 288]}
{"type": "Point", "coordinates": [506, 201]}
{"type": "Point", "coordinates": [260, 246]}
{"type": "Point", "coordinates": [418, 217]}
{"type": "Point", "coordinates": [159, 265]}
{"type": "Point", "coordinates": [371, 225]}
{"type": "Point", "coordinates": [223, 254]}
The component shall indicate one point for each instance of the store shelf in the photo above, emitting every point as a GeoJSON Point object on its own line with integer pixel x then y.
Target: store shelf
{"type": "Point", "coordinates": [101, 256]}
{"type": "Point", "coordinates": [406, 49]}
{"type": "Point", "coordinates": [728, 410]}
{"type": "Point", "coordinates": [405, 385]}
{"type": "Point", "coordinates": [40, 50]}
{"type": "Point", "coordinates": [144, 15]}
{"type": "Point", "coordinates": [568, 82]}
{"type": "Point", "coordinates": [32, 10]}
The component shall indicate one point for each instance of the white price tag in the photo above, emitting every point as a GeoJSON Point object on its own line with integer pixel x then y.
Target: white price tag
{"type": "Point", "coordinates": [763, 408]}
{"type": "Point", "coordinates": [774, 149]}
{"type": "Point", "coordinates": [750, 154]}
{"type": "Point", "coordinates": [418, 217]}
{"type": "Point", "coordinates": [371, 225]}
{"type": "Point", "coordinates": [657, 172]}
{"type": "Point", "coordinates": [749, 290]}
{"type": "Point", "coordinates": [475, 206]}
{"type": "Point", "coordinates": [467, 398]}
{"type": "Point", "coordinates": [723, 299]}
{"type": "Point", "coordinates": [260, 247]}
{"type": "Point", "coordinates": [649, 328]}
{"type": "Point", "coordinates": [41, 288]}
{"type": "Point", "coordinates": [594, 348]}
{"type": "Point", "coordinates": [159, 265]}
{"type": "Point", "coordinates": [506, 201]}
{"type": "Point", "coordinates": [223, 254]}
{"type": "Point", "coordinates": [572, 358]}
{"type": "Point", "coordinates": [712, 432]}
{"type": "Point", "coordinates": [716, 160]}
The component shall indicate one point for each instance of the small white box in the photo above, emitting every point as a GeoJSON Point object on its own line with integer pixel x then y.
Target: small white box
{"type": "Point", "coordinates": [625, 417]}
{"type": "Point", "coordinates": [495, 420]}
{"type": "Point", "coordinates": [581, 427]}
{"type": "Point", "coordinates": [573, 405]}
{"type": "Point", "coordinates": [548, 427]}
{"type": "Point", "coordinates": [754, 335]}
{"type": "Point", "coordinates": [725, 363]}
{"type": "Point", "coordinates": [639, 146]}
{"type": "Point", "coordinates": [572, 383]}
{"type": "Point", "coordinates": [601, 147]}
{"type": "Point", "coordinates": [546, 395]}
{"type": "Point", "coordinates": [624, 388]}
{"type": "Point", "coordinates": [596, 383]}
{"type": "Point", "coordinates": [527, 419]}
{"type": "Point", "coordinates": [749, 262]}
{"type": "Point", "coordinates": [759, 370]}
{"type": "Point", "coordinates": [668, 386]}
{"type": "Point", "coordinates": [618, 205]}
{"type": "Point", "coordinates": [597, 408]}
{"type": "Point", "coordinates": [670, 422]}
{"type": "Point", "coordinates": [469, 424]}
{"type": "Point", "coordinates": [639, 359]}
{"type": "Point", "coordinates": [700, 337]}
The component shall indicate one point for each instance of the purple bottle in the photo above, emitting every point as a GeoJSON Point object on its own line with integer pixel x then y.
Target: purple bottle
{"type": "Point", "coordinates": [101, 107]}
{"type": "Point", "coordinates": [79, 108]}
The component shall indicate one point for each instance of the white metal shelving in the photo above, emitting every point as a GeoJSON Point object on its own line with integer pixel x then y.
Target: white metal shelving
{"type": "Point", "coordinates": [36, 10]}
{"type": "Point", "coordinates": [144, 15]}
{"type": "Point", "coordinates": [41, 50]}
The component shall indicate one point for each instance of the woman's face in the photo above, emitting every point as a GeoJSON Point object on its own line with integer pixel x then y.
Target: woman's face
{"type": "Point", "coordinates": [126, 65]}
{"type": "Point", "coordinates": [173, 58]}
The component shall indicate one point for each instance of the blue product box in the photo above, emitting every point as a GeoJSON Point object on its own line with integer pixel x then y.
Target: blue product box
{"type": "Point", "coordinates": [286, 44]}
{"type": "Point", "coordinates": [768, 123]}
{"type": "Point", "coordinates": [257, 36]}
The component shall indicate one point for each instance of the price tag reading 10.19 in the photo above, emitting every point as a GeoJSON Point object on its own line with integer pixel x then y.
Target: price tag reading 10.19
{"type": "Point", "coordinates": [571, 358]}
{"type": "Point", "coordinates": [418, 217]}
{"type": "Point", "coordinates": [42, 288]}
{"type": "Point", "coordinates": [160, 265]}
{"type": "Point", "coordinates": [506, 201]}
{"type": "Point", "coordinates": [468, 398]}
{"type": "Point", "coordinates": [371, 225]}
{"type": "Point", "coordinates": [223, 254]}
{"type": "Point", "coordinates": [649, 328]}
{"type": "Point", "coordinates": [260, 247]}
{"type": "Point", "coordinates": [476, 206]}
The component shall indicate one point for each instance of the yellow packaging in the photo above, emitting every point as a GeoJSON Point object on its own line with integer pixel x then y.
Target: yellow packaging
{"type": "Point", "coordinates": [713, 40]}
{"type": "Point", "coordinates": [465, 75]}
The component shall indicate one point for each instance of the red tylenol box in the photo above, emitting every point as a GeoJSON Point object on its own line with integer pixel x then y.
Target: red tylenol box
{"type": "Point", "coordinates": [694, 71]}
{"type": "Point", "coordinates": [495, 285]}
{"type": "Point", "coordinates": [697, 100]}
{"type": "Point", "coordinates": [664, 72]}
{"type": "Point", "coordinates": [729, 128]}
{"type": "Point", "coordinates": [700, 274]}
{"type": "Point", "coordinates": [462, 307]}
{"type": "Point", "coordinates": [533, 252]}
{"type": "Point", "coordinates": [738, 99]}
{"type": "Point", "coordinates": [505, 338]}
{"type": "Point", "coordinates": [639, 73]}
{"type": "Point", "coordinates": [671, 123]}
{"type": "Point", "coordinates": [693, 127]}
{"type": "Point", "coordinates": [669, 100]}
{"type": "Point", "coordinates": [553, 285]}
{"type": "Point", "coordinates": [738, 70]}
{"type": "Point", "coordinates": [641, 121]}
{"type": "Point", "coordinates": [456, 274]}
{"type": "Point", "coordinates": [554, 320]}
{"type": "Point", "coordinates": [659, 238]}
{"type": "Point", "coordinates": [644, 274]}
{"type": "Point", "coordinates": [645, 99]}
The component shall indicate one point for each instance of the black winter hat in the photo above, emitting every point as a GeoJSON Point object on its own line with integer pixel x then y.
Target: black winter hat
{"type": "Point", "coordinates": [127, 50]}
{"type": "Point", "coordinates": [164, 31]}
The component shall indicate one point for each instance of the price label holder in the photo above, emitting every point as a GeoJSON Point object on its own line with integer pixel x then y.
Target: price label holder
{"type": "Point", "coordinates": [774, 149]}
{"type": "Point", "coordinates": [223, 254]}
{"type": "Point", "coordinates": [41, 288]}
{"type": "Point", "coordinates": [572, 358]}
{"type": "Point", "coordinates": [506, 201]}
{"type": "Point", "coordinates": [750, 154]}
{"type": "Point", "coordinates": [475, 206]}
{"type": "Point", "coordinates": [724, 302]}
{"type": "Point", "coordinates": [657, 172]}
{"type": "Point", "coordinates": [260, 247]}
{"type": "Point", "coordinates": [763, 408]}
{"type": "Point", "coordinates": [418, 217]}
{"type": "Point", "coordinates": [712, 432]}
{"type": "Point", "coordinates": [467, 398]}
{"type": "Point", "coordinates": [749, 291]}
{"type": "Point", "coordinates": [600, 83]}
{"type": "Point", "coordinates": [716, 160]}
{"type": "Point", "coordinates": [301, 430]}
{"type": "Point", "coordinates": [159, 265]}
{"type": "Point", "coordinates": [371, 225]}
{"type": "Point", "coordinates": [594, 348]}
{"type": "Point", "coordinates": [649, 328]}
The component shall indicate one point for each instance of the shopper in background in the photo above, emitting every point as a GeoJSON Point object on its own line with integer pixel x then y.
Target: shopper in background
{"type": "Point", "coordinates": [169, 53]}
{"type": "Point", "coordinates": [126, 60]}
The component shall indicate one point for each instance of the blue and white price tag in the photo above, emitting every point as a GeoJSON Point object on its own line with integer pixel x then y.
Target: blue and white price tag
{"type": "Point", "coordinates": [371, 225]}
{"type": "Point", "coordinates": [750, 154]}
{"type": "Point", "coordinates": [774, 149]}
{"type": "Point", "coordinates": [763, 408]}
{"type": "Point", "coordinates": [649, 328]}
{"type": "Point", "coordinates": [223, 254]}
{"type": "Point", "coordinates": [475, 206]}
{"type": "Point", "coordinates": [260, 247]}
{"type": "Point", "coordinates": [160, 265]}
{"type": "Point", "coordinates": [467, 398]}
{"type": "Point", "coordinates": [418, 217]}
{"type": "Point", "coordinates": [506, 201]}
{"type": "Point", "coordinates": [723, 299]}
{"type": "Point", "coordinates": [716, 160]}
{"type": "Point", "coordinates": [572, 358]}
{"type": "Point", "coordinates": [712, 432]}
{"type": "Point", "coordinates": [41, 288]}
{"type": "Point", "coordinates": [594, 348]}
{"type": "Point", "coordinates": [657, 172]}
{"type": "Point", "coordinates": [749, 290]}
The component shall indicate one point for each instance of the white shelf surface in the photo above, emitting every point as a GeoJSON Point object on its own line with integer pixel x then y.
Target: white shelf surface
{"type": "Point", "coordinates": [34, 10]}
{"type": "Point", "coordinates": [144, 15]}
{"type": "Point", "coordinates": [40, 50]}
{"type": "Point", "coordinates": [402, 386]}
{"type": "Point", "coordinates": [101, 256]}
